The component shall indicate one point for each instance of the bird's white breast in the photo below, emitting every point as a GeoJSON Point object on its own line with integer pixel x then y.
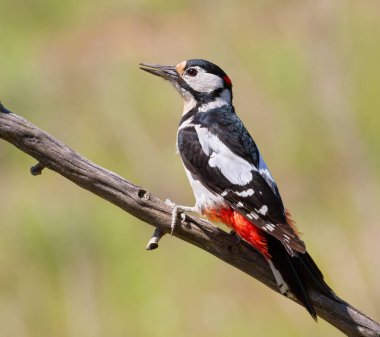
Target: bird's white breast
{"type": "Point", "coordinates": [205, 199]}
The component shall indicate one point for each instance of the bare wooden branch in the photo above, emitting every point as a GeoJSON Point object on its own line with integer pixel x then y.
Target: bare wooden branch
{"type": "Point", "coordinates": [156, 237]}
{"type": "Point", "coordinates": [36, 170]}
{"type": "Point", "coordinates": [54, 155]}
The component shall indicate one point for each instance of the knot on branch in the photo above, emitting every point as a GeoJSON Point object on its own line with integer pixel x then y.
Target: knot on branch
{"type": "Point", "coordinates": [143, 194]}
{"type": "Point", "coordinates": [31, 140]}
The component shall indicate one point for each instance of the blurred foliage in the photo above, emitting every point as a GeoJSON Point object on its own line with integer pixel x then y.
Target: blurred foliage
{"type": "Point", "coordinates": [306, 78]}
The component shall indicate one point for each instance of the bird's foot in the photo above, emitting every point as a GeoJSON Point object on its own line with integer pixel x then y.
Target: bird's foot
{"type": "Point", "coordinates": [178, 209]}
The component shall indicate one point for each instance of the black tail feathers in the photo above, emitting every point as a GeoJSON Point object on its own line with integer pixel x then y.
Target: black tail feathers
{"type": "Point", "coordinates": [297, 275]}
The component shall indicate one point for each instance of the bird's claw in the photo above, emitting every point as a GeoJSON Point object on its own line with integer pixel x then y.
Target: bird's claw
{"type": "Point", "coordinates": [169, 203]}
{"type": "Point", "coordinates": [177, 210]}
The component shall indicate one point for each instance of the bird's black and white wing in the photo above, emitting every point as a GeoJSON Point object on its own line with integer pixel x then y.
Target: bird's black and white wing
{"type": "Point", "coordinates": [217, 151]}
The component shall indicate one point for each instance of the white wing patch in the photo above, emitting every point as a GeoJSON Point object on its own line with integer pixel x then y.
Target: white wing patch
{"type": "Point", "coordinates": [269, 227]}
{"type": "Point", "coordinates": [252, 215]}
{"type": "Point", "coordinates": [246, 193]}
{"type": "Point", "coordinates": [263, 210]}
{"type": "Point", "coordinates": [237, 170]}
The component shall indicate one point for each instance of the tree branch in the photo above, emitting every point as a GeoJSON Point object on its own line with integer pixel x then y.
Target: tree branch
{"type": "Point", "coordinates": [54, 155]}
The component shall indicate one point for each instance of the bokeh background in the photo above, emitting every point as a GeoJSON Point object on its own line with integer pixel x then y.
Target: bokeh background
{"type": "Point", "coordinates": [306, 76]}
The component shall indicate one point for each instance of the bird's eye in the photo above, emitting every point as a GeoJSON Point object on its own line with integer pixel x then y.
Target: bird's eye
{"type": "Point", "coordinates": [192, 72]}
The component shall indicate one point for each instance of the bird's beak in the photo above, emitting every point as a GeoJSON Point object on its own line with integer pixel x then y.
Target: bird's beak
{"type": "Point", "coordinates": [167, 72]}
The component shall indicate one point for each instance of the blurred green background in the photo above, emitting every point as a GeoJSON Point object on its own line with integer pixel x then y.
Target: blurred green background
{"type": "Point", "coordinates": [306, 76]}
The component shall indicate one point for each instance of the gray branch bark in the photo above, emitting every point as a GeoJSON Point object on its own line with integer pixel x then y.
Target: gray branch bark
{"type": "Point", "coordinates": [54, 155]}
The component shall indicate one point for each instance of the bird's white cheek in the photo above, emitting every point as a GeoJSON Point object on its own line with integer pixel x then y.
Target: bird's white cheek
{"type": "Point", "coordinates": [204, 82]}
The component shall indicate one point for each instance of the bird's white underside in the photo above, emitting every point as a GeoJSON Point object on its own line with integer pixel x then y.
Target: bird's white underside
{"type": "Point", "coordinates": [204, 198]}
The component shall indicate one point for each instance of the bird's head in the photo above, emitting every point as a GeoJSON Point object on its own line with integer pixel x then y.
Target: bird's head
{"type": "Point", "coordinates": [198, 81]}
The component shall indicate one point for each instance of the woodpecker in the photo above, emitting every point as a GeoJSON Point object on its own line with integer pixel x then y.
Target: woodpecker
{"type": "Point", "coordinates": [230, 180]}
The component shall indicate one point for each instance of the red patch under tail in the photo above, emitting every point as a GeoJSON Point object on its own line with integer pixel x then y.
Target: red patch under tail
{"type": "Point", "coordinates": [243, 227]}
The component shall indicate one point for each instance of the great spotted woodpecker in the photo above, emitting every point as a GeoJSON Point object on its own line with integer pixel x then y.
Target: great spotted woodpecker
{"type": "Point", "coordinates": [230, 180]}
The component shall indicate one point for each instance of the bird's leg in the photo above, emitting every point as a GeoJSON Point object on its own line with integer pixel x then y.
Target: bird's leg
{"type": "Point", "coordinates": [176, 210]}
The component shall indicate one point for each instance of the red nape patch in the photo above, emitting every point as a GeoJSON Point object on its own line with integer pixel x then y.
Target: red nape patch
{"type": "Point", "coordinates": [227, 80]}
{"type": "Point", "coordinates": [246, 230]}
